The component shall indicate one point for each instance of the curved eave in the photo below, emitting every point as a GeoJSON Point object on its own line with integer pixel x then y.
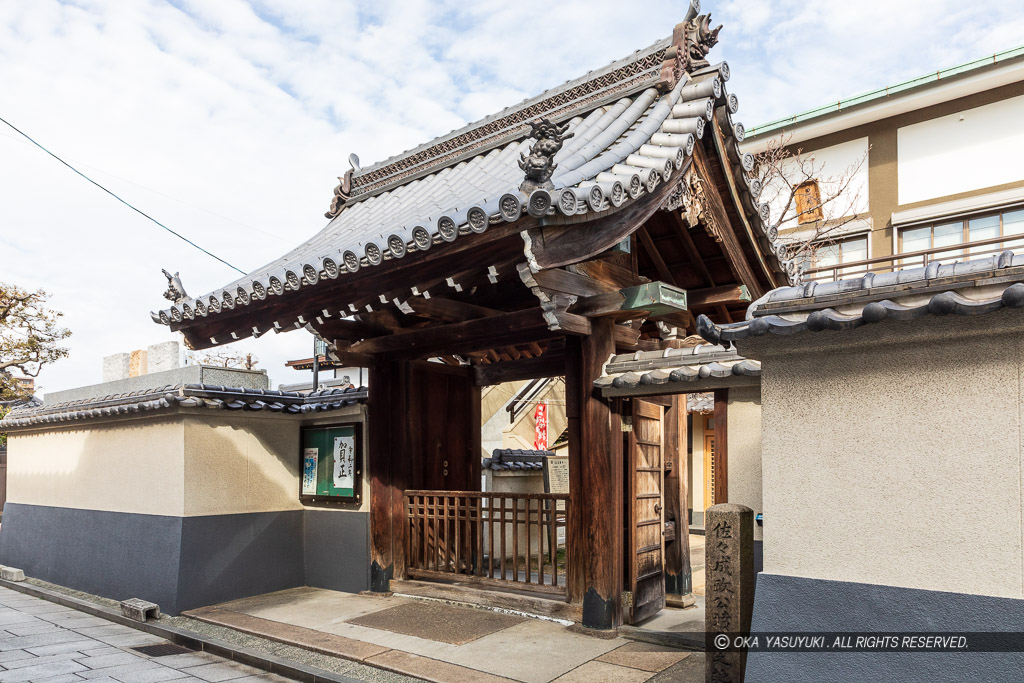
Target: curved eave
{"type": "Point", "coordinates": [618, 156]}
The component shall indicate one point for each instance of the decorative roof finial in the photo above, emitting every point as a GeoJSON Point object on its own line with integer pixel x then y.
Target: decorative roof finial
{"type": "Point", "coordinates": [691, 42]}
{"type": "Point", "coordinates": [540, 164]}
{"type": "Point", "coordinates": [343, 192]}
{"type": "Point", "coordinates": [700, 38]}
{"type": "Point", "coordinates": [175, 290]}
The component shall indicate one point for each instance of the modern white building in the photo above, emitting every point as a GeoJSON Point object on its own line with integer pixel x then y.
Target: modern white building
{"type": "Point", "coordinates": [930, 167]}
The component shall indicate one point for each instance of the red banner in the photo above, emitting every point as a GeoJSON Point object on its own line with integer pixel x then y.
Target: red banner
{"type": "Point", "coordinates": [540, 429]}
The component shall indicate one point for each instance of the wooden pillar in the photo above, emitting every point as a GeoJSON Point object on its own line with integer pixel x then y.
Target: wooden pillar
{"type": "Point", "coordinates": [721, 492]}
{"type": "Point", "coordinates": [594, 574]}
{"type": "Point", "coordinates": [677, 551]}
{"type": "Point", "coordinates": [388, 471]}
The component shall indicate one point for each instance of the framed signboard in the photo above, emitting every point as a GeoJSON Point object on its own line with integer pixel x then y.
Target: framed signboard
{"type": "Point", "coordinates": [331, 463]}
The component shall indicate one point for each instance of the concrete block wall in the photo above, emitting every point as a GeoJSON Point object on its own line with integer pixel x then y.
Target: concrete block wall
{"type": "Point", "coordinates": [156, 358]}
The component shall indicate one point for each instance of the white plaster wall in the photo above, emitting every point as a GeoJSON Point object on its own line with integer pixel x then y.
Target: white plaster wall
{"type": "Point", "coordinates": [896, 463]}
{"type": "Point", "coordinates": [240, 465]}
{"type": "Point", "coordinates": [190, 464]}
{"type": "Point", "coordinates": [830, 164]}
{"type": "Point", "coordinates": [969, 150]}
{"type": "Point", "coordinates": [744, 457]}
{"type": "Point", "coordinates": [235, 464]}
{"type": "Point", "coordinates": [128, 466]}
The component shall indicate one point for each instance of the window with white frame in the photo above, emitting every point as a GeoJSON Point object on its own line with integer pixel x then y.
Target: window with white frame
{"type": "Point", "coordinates": [970, 236]}
{"type": "Point", "coordinates": [829, 254]}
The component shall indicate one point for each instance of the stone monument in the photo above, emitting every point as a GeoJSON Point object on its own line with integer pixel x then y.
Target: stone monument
{"type": "Point", "coordinates": [729, 589]}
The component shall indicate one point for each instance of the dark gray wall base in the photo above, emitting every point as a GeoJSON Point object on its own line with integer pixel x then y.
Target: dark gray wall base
{"type": "Point", "coordinates": [183, 563]}
{"type": "Point", "coordinates": [337, 549]}
{"type": "Point", "coordinates": [789, 603]}
{"type": "Point", "coordinates": [112, 554]}
{"type": "Point", "coordinates": [224, 557]}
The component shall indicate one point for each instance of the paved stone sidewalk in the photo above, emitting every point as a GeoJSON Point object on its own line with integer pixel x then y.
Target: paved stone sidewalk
{"type": "Point", "coordinates": [44, 642]}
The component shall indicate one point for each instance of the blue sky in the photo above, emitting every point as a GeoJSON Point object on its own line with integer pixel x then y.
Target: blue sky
{"type": "Point", "coordinates": [231, 120]}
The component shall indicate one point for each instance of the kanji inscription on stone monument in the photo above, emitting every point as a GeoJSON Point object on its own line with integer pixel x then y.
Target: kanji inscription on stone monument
{"type": "Point", "coordinates": [729, 563]}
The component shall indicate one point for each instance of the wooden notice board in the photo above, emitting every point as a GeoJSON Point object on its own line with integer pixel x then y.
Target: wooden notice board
{"type": "Point", "coordinates": [556, 476]}
{"type": "Point", "coordinates": [331, 463]}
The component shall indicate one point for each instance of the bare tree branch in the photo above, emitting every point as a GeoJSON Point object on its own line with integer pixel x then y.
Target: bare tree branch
{"type": "Point", "coordinates": [783, 172]}
{"type": "Point", "coordinates": [228, 357]}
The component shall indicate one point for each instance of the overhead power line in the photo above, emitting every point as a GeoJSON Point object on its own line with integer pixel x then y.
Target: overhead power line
{"type": "Point", "coordinates": [130, 206]}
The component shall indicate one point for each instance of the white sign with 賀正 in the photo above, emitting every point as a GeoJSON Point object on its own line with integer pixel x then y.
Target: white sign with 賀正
{"type": "Point", "coordinates": [344, 462]}
{"type": "Point", "coordinates": [309, 463]}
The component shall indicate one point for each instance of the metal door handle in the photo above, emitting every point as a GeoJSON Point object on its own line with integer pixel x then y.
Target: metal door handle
{"type": "Point", "coordinates": [657, 508]}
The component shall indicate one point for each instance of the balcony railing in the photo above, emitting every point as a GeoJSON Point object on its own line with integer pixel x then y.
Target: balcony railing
{"type": "Point", "coordinates": [915, 259]}
{"type": "Point", "coordinates": [497, 538]}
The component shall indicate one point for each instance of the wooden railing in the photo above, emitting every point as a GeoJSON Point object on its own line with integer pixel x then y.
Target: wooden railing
{"type": "Point", "coordinates": [504, 539]}
{"type": "Point", "coordinates": [916, 259]}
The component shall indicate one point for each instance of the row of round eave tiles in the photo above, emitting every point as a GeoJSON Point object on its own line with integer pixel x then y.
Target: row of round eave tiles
{"type": "Point", "coordinates": [509, 209]}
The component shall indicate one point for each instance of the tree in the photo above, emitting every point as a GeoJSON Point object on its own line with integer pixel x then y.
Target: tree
{"type": "Point", "coordinates": [227, 357]}
{"type": "Point", "coordinates": [798, 190]}
{"type": "Point", "coordinates": [30, 338]}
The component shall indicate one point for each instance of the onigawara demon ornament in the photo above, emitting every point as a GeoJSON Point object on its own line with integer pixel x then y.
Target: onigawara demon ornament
{"type": "Point", "coordinates": [175, 290]}
{"type": "Point", "coordinates": [540, 164]}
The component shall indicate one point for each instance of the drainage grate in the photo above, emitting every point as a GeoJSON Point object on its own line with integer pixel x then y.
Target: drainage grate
{"type": "Point", "coordinates": [162, 650]}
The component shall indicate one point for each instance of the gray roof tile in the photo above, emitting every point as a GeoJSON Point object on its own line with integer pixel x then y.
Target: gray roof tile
{"type": "Point", "coordinates": [686, 368]}
{"type": "Point", "coordinates": [185, 396]}
{"type": "Point", "coordinates": [965, 288]}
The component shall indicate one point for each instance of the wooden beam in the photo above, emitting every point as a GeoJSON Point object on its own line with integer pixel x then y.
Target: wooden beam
{"type": "Point", "coordinates": [498, 330]}
{"type": "Point", "coordinates": [721, 492]}
{"type": "Point", "coordinates": [575, 284]}
{"type": "Point", "coordinates": [730, 242]}
{"type": "Point", "coordinates": [652, 251]}
{"type": "Point", "coordinates": [571, 323]}
{"type": "Point", "coordinates": [548, 365]}
{"type": "Point", "coordinates": [612, 274]}
{"type": "Point", "coordinates": [729, 294]}
{"type": "Point", "coordinates": [350, 330]}
{"type": "Point", "coordinates": [607, 304]}
{"type": "Point", "coordinates": [449, 310]}
{"type": "Point", "coordinates": [349, 359]}
{"type": "Point", "coordinates": [383, 318]}
{"type": "Point", "coordinates": [626, 337]}
{"type": "Point", "coordinates": [696, 260]}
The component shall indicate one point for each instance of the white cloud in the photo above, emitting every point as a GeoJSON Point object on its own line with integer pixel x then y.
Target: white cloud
{"type": "Point", "coordinates": [231, 120]}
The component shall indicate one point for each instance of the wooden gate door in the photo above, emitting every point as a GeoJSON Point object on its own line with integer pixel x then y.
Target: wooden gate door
{"type": "Point", "coordinates": [646, 482]}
